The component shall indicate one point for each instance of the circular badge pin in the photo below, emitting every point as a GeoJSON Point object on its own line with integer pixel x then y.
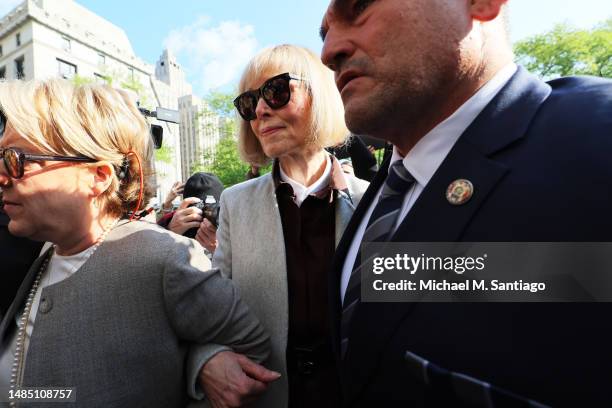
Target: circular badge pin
{"type": "Point", "coordinates": [459, 192]}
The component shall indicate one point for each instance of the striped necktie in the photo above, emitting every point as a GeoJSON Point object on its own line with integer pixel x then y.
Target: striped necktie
{"type": "Point", "coordinates": [379, 229]}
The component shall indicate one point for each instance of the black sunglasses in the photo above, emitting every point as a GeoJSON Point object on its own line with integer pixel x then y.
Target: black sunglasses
{"type": "Point", "coordinates": [275, 91]}
{"type": "Point", "coordinates": [14, 160]}
{"type": "Point", "coordinates": [2, 123]}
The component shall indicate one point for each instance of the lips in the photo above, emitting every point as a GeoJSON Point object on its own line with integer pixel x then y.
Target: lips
{"type": "Point", "coordinates": [10, 206]}
{"type": "Point", "coordinates": [8, 202]}
{"type": "Point", "coordinates": [270, 129]}
{"type": "Point", "coordinates": [345, 78]}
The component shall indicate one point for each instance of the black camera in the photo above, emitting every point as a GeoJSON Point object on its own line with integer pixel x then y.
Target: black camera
{"type": "Point", "coordinates": [210, 211]}
{"type": "Point", "coordinates": [157, 132]}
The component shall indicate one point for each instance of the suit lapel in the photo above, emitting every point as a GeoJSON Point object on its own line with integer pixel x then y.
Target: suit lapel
{"type": "Point", "coordinates": [433, 219]}
{"type": "Point", "coordinates": [342, 249]}
{"type": "Point", "coordinates": [21, 295]}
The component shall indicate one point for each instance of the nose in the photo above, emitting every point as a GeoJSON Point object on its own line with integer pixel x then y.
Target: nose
{"type": "Point", "coordinates": [337, 48]}
{"type": "Point", "coordinates": [262, 109]}
{"type": "Point", "coordinates": [5, 180]}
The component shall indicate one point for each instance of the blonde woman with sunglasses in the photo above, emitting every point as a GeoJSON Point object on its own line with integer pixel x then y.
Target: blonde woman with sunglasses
{"type": "Point", "coordinates": [277, 233]}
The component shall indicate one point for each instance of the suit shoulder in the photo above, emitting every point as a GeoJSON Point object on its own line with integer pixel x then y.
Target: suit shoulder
{"type": "Point", "coordinates": [593, 89]}
{"type": "Point", "coordinates": [579, 107]}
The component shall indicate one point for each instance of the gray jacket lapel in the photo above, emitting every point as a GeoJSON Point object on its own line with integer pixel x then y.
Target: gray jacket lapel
{"type": "Point", "coordinates": [344, 211]}
{"type": "Point", "coordinates": [347, 202]}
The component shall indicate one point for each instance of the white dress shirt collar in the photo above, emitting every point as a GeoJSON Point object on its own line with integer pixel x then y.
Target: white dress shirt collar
{"type": "Point", "coordinates": [300, 191]}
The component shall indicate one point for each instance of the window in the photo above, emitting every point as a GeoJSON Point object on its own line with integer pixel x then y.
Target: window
{"type": "Point", "coordinates": [18, 39]}
{"type": "Point", "coordinates": [19, 68]}
{"type": "Point", "coordinates": [101, 59]}
{"type": "Point", "coordinates": [102, 79]}
{"type": "Point", "coordinates": [65, 69]}
{"type": "Point", "coordinates": [2, 72]}
{"type": "Point", "coordinates": [0, 50]}
{"type": "Point", "coordinates": [131, 74]}
{"type": "Point", "coordinates": [66, 44]}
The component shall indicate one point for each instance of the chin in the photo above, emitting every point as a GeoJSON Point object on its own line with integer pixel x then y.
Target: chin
{"type": "Point", "coordinates": [367, 114]}
{"type": "Point", "coordinates": [358, 120]}
{"type": "Point", "coordinates": [273, 153]}
{"type": "Point", "coordinates": [17, 229]}
{"type": "Point", "coordinates": [22, 230]}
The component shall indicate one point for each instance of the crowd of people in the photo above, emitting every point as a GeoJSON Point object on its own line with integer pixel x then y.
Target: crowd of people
{"type": "Point", "coordinates": [251, 295]}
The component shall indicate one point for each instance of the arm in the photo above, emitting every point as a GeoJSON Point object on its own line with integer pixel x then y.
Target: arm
{"type": "Point", "coordinates": [222, 257]}
{"type": "Point", "coordinates": [205, 310]}
{"type": "Point", "coordinates": [227, 378]}
{"type": "Point", "coordinates": [175, 191]}
{"type": "Point", "coordinates": [204, 307]}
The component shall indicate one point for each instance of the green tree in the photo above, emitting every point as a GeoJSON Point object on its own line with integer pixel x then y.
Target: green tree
{"type": "Point", "coordinates": [164, 154]}
{"type": "Point", "coordinates": [221, 103]}
{"type": "Point", "coordinates": [567, 51]}
{"type": "Point", "coordinates": [79, 80]}
{"type": "Point", "coordinates": [225, 163]}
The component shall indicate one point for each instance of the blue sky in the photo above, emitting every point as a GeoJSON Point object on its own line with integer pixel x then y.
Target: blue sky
{"type": "Point", "coordinates": [213, 39]}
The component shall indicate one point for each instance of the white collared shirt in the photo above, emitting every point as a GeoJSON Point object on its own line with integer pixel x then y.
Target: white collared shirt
{"type": "Point", "coordinates": [300, 191]}
{"type": "Point", "coordinates": [424, 159]}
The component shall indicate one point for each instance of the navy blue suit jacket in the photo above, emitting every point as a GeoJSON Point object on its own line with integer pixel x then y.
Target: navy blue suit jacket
{"type": "Point", "coordinates": [540, 159]}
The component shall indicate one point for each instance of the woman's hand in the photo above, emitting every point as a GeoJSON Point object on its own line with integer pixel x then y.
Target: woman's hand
{"type": "Point", "coordinates": [207, 235]}
{"type": "Point", "coordinates": [232, 380]}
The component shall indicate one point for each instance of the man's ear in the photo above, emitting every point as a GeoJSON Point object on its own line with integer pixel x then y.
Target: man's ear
{"type": "Point", "coordinates": [486, 10]}
{"type": "Point", "coordinates": [102, 177]}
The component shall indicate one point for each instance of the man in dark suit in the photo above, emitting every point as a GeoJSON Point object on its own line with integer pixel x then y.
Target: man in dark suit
{"type": "Point", "coordinates": [436, 79]}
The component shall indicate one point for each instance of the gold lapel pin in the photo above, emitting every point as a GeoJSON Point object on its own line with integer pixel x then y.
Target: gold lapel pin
{"type": "Point", "coordinates": [459, 192]}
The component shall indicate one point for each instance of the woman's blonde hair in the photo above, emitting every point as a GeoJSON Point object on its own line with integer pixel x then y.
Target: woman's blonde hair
{"type": "Point", "coordinates": [327, 127]}
{"type": "Point", "coordinates": [95, 121]}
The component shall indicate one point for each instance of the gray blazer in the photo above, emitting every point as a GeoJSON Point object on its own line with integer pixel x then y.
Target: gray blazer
{"type": "Point", "coordinates": [250, 223]}
{"type": "Point", "coordinates": [119, 328]}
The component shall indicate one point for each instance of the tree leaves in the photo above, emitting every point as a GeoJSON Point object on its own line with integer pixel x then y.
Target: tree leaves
{"type": "Point", "coordinates": [567, 51]}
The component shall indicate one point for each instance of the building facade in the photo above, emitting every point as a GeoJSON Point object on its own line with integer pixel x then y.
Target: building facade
{"type": "Point", "coordinates": [200, 133]}
{"type": "Point", "coordinates": [60, 38]}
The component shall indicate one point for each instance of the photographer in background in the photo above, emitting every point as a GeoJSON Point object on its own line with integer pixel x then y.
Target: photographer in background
{"type": "Point", "coordinates": [252, 173]}
{"type": "Point", "coordinates": [361, 157]}
{"type": "Point", "coordinates": [187, 218]}
{"type": "Point", "coordinates": [176, 190]}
